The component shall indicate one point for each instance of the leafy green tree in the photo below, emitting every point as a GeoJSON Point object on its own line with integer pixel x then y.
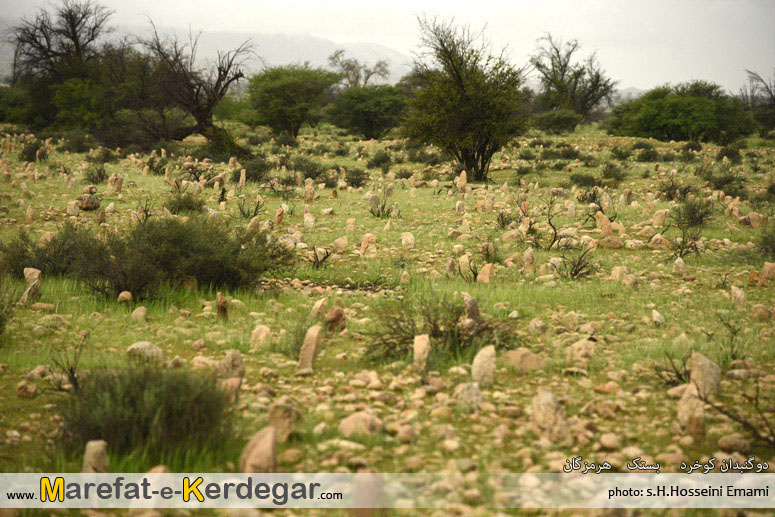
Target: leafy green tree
{"type": "Point", "coordinates": [78, 103]}
{"type": "Point", "coordinates": [565, 84]}
{"type": "Point", "coordinates": [696, 111]}
{"type": "Point", "coordinates": [369, 110]}
{"type": "Point", "coordinates": [561, 120]}
{"type": "Point", "coordinates": [51, 47]}
{"type": "Point", "coordinates": [285, 97]}
{"type": "Point", "coordinates": [470, 103]}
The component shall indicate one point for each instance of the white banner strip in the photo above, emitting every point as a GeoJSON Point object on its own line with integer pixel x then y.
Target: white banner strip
{"type": "Point", "coordinates": [102, 491]}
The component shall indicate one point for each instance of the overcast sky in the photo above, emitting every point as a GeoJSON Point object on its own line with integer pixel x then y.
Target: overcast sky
{"type": "Point", "coordinates": [640, 43]}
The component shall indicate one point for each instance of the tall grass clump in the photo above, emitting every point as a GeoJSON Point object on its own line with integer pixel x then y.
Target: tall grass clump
{"type": "Point", "coordinates": [148, 407]}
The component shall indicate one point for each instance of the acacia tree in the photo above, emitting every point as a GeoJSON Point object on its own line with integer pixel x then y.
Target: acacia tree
{"type": "Point", "coordinates": [61, 44]}
{"type": "Point", "coordinates": [284, 97]}
{"type": "Point", "coordinates": [469, 101]}
{"type": "Point", "coordinates": [355, 73]}
{"type": "Point", "coordinates": [198, 90]}
{"type": "Point", "coordinates": [568, 84]}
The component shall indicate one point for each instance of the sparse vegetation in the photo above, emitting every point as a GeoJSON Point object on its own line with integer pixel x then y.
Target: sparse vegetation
{"type": "Point", "coordinates": [143, 407]}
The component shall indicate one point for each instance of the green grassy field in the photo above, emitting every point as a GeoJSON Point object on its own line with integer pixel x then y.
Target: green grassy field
{"type": "Point", "coordinates": [618, 391]}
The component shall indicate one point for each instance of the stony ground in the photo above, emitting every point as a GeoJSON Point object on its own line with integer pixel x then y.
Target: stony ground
{"type": "Point", "coordinates": [583, 369]}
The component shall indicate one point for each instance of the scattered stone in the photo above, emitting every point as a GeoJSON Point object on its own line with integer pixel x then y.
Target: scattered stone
{"type": "Point", "coordinates": [679, 267]}
{"type": "Point", "coordinates": [738, 295]}
{"type": "Point", "coordinates": [580, 352]}
{"type": "Point", "coordinates": [691, 412]}
{"type": "Point", "coordinates": [145, 350]}
{"type": "Point", "coordinates": [309, 350]}
{"type": "Point", "coordinates": [335, 319]}
{"type": "Point", "coordinates": [422, 349]}
{"type": "Point", "coordinates": [483, 366]}
{"type": "Point", "coordinates": [261, 336]}
{"type": "Point", "coordinates": [523, 360]}
{"type": "Point", "coordinates": [734, 443]}
{"type": "Point", "coordinates": [222, 305]}
{"type": "Point", "coordinates": [548, 416]}
{"type": "Point", "coordinates": [485, 274]}
{"type": "Point", "coordinates": [610, 442]}
{"type": "Point", "coordinates": [283, 415]}
{"type": "Point", "coordinates": [537, 326]}
{"type": "Point", "coordinates": [139, 314]}
{"type": "Point", "coordinates": [26, 389]}
{"type": "Point", "coordinates": [87, 202]}
{"type": "Point", "coordinates": [318, 308]}
{"type": "Point", "coordinates": [361, 423]}
{"type": "Point", "coordinates": [705, 374]}
{"type": "Point", "coordinates": [95, 458]}
{"type": "Point", "coordinates": [469, 397]}
{"type": "Point", "coordinates": [259, 454]}
{"type": "Point", "coordinates": [470, 306]}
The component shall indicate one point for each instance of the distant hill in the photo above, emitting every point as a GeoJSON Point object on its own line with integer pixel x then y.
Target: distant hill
{"type": "Point", "coordinates": [281, 49]}
{"type": "Point", "coordinates": [270, 49]}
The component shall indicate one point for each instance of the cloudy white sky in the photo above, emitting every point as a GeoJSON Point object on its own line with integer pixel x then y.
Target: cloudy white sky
{"type": "Point", "coordinates": [640, 43]}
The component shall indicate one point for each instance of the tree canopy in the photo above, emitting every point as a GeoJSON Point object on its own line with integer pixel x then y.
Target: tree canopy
{"type": "Point", "coordinates": [566, 83]}
{"type": "Point", "coordinates": [369, 110]}
{"type": "Point", "coordinates": [469, 100]}
{"type": "Point", "coordinates": [696, 111]}
{"type": "Point", "coordinates": [284, 97]}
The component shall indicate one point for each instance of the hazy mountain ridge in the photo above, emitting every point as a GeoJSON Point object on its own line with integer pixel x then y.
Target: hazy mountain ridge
{"type": "Point", "coordinates": [281, 49]}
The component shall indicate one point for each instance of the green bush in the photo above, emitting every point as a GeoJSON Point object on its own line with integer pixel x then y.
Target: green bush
{"type": "Point", "coordinates": [8, 298]}
{"type": "Point", "coordinates": [583, 179]}
{"type": "Point", "coordinates": [157, 165]}
{"type": "Point", "coordinates": [426, 156]}
{"type": "Point", "coordinates": [157, 251]}
{"type": "Point", "coordinates": [698, 111]}
{"type": "Point", "coordinates": [648, 155]}
{"type": "Point", "coordinates": [557, 121]}
{"type": "Point", "coordinates": [144, 407]}
{"type": "Point", "coordinates": [765, 242]}
{"type": "Point", "coordinates": [32, 151]}
{"type": "Point", "coordinates": [621, 154]}
{"type": "Point", "coordinates": [672, 190]}
{"type": "Point", "coordinates": [560, 153]}
{"type": "Point", "coordinates": [380, 159]}
{"type": "Point", "coordinates": [286, 139]}
{"type": "Point", "coordinates": [693, 212]}
{"type": "Point", "coordinates": [642, 144]}
{"type": "Point", "coordinates": [308, 167]}
{"type": "Point", "coordinates": [95, 174]}
{"type": "Point", "coordinates": [396, 323]}
{"type": "Point", "coordinates": [75, 141]}
{"type": "Point", "coordinates": [613, 174]}
{"type": "Point", "coordinates": [369, 111]}
{"type": "Point", "coordinates": [179, 201]}
{"type": "Point", "coordinates": [170, 250]}
{"type": "Point", "coordinates": [102, 155]}
{"type": "Point", "coordinates": [731, 183]}
{"type": "Point", "coordinates": [54, 257]}
{"type": "Point", "coordinates": [255, 170]}
{"type": "Point", "coordinates": [731, 152]}
{"type": "Point", "coordinates": [355, 177]}
{"type": "Point", "coordinates": [692, 146]}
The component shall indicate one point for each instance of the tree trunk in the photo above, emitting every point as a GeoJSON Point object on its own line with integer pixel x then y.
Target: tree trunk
{"type": "Point", "coordinates": [221, 138]}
